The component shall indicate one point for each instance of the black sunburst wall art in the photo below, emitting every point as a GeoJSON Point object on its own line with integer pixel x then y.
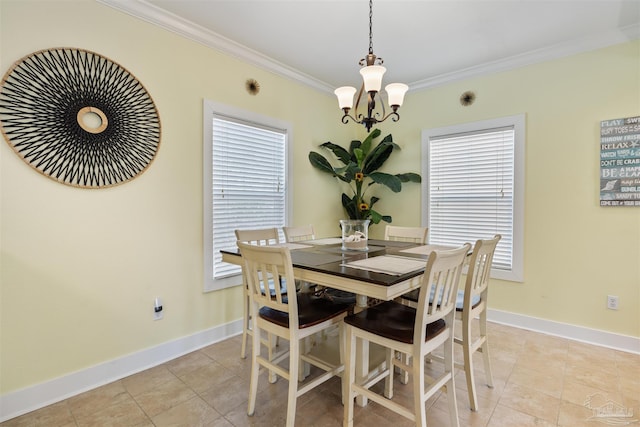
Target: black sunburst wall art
{"type": "Point", "coordinates": [78, 118]}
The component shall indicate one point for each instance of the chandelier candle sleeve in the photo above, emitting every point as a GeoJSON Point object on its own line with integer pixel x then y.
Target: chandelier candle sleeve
{"type": "Point", "coordinates": [345, 96]}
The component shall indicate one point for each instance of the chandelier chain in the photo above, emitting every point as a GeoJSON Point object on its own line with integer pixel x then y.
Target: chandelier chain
{"type": "Point", "coordinates": [370, 27]}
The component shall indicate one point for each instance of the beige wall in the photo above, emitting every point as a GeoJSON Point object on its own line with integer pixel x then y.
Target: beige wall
{"type": "Point", "coordinates": [80, 268]}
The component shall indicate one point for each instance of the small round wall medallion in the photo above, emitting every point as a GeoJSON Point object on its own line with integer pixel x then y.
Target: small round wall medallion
{"type": "Point", "coordinates": [252, 86]}
{"type": "Point", "coordinates": [78, 118]}
{"type": "Point", "coordinates": [467, 98]}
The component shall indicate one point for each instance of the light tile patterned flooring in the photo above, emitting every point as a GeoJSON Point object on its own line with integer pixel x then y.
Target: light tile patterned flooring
{"type": "Point", "coordinates": [539, 380]}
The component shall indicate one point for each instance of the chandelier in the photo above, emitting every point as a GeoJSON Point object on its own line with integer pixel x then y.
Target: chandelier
{"type": "Point", "coordinates": [372, 72]}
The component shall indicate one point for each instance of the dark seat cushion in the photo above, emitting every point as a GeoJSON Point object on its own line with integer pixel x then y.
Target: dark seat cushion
{"type": "Point", "coordinates": [392, 320]}
{"type": "Point", "coordinates": [311, 311]}
{"type": "Point", "coordinates": [414, 295]}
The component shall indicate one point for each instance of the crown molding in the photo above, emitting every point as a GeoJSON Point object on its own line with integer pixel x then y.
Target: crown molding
{"type": "Point", "coordinates": [561, 50]}
{"type": "Point", "coordinates": [147, 12]}
{"type": "Point", "coordinates": [154, 15]}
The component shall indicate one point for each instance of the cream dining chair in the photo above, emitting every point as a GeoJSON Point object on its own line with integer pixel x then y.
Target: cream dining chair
{"type": "Point", "coordinates": [294, 317]}
{"type": "Point", "coordinates": [266, 236]}
{"type": "Point", "coordinates": [407, 330]}
{"type": "Point", "coordinates": [406, 234]}
{"type": "Point", "coordinates": [471, 304]}
{"type": "Point", "coordinates": [299, 233]}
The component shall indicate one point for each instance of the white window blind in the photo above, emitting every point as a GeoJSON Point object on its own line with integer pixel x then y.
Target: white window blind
{"type": "Point", "coordinates": [474, 188]}
{"type": "Point", "coordinates": [248, 184]}
{"type": "Point", "coordinates": [244, 184]}
{"type": "Point", "coordinates": [471, 190]}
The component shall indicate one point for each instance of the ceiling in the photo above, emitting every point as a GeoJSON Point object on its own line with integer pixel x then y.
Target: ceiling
{"type": "Point", "coordinates": [423, 43]}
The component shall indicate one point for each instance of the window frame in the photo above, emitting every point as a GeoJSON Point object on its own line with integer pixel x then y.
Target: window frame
{"type": "Point", "coordinates": [518, 122]}
{"type": "Point", "coordinates": [210, 110]}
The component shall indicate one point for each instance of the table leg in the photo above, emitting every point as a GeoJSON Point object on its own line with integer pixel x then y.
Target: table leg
{"type": "Point", "coordinates": [362, 352]}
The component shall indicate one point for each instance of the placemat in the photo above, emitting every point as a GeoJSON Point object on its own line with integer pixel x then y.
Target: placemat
{"type": "Point", "coordinates": [388, 264]}
{"type": "Point", "coordinates": [427, 249]}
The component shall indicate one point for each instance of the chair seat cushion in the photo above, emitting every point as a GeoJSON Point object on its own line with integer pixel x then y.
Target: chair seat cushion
{"type": "Point", "coordinates": [311, 311]}
{"type": "Point", "coordinates": [415, 294]}
{"type": "Point", "coordinates": [392, 320]}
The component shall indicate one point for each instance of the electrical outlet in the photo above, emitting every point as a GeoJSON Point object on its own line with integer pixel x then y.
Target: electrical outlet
{"type": "Point", "coordinates": [157, 309]}
{"type": "Point", "coordinates": [612, 302]}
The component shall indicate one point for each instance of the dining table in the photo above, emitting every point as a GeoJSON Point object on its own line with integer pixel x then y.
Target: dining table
{"type": "Point", "coordinates": [385, 271]}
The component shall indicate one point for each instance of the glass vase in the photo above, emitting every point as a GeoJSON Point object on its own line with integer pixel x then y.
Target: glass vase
{"type": "Point", "coordinates": [355, 233]}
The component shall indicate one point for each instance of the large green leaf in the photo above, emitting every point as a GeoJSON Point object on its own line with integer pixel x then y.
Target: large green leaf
{"type": "Point", "coordinates": [350, 207]}
{"type": "Point", "coordinates": [376, 158]}
{"type": "Point", "coordinates": [389, 140]}
{"type": "Point", "coordinates": [368, 141]}
{"type": "Point", "coordinates": [391, 181]}
{"type": "Point", "coordinates": [342, 154]}
{"type": "Point", "coordinates": [320, 162]}
{"type": "Point", "coordinates": [409, 177]}
{"type": "Point", "coordinates": [354, 145]}
{"type": "Point", "coordinates": [375, 216]}
{"type": "Point", "coordinates": [317, 160]}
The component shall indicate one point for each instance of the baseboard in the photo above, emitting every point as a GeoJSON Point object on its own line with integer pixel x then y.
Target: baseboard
{"type": "Point", "coordinates": [40, 395]}
{"type": "Point", "coordinates": [577, 333]}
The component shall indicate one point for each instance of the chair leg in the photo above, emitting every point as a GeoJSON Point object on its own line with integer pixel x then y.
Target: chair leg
{"type": "Point", "coordinates": [271, 344]}
{"type": "Point", "coordinates": [255, 368]}
{"type": "Point", "coordinates": [468, 365]}
{"type": "Point", "coordinates": [418, 392]}
{"type": "Point", "coordinates": [485, 348]}
{"type": "Point", "coordinates": [450, 385]}
{"type": "Point", "coordinates": [245, 328]}
{"type": "Point", "coordinates": [294, 364]}
{"type": "Point", "coordinates": [404, 375]}
{"type": "Point", "coordinates": [388, 382]}
{"type": "Point", "coordinates": [349, 376]}
{"type": "Point", "coordinates": [342, 339]}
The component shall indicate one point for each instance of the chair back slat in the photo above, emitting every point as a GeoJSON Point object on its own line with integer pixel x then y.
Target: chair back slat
{"type": "Point", "coordinates": [406, 234]}
{"type": "Point", "coordinates": [264, 236]}
{"type": "Point", "coordinates": [443, 275]}
{"type": "Point", "coordinates": [264, 267]}
{"type": "Point", "coordinates": [479, 271]}
{"type": "Point", "coordinates": [300, 233]}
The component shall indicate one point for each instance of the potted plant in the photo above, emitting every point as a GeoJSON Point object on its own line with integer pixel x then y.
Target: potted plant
{"type": "Point", "coordinates": [360, 169]}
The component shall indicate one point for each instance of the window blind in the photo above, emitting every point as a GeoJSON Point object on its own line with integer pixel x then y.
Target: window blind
{"type": "Point", "coordinates": [248, 188]}
{"type": "Point", "coordinates": [471, 190]}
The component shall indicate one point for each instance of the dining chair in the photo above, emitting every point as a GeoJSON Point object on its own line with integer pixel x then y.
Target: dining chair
{"type": "Point", "coordinates": [266, 236]}
{"type": "Point", "coordinates": [471, 304]}
{"type": "Point", "coordinates": [406, 234]}
{"type": "Point", "coordinates": [408, 330]}
{"type": "Point", "coordinates": [293, 317]}
{"type": "Point", "coordinates": [298, 233]}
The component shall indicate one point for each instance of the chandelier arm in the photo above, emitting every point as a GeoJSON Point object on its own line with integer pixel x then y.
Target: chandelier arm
{"type": "Point", "coordinates": [394, 117]}
{"type": "Point", "coordinates": [347, 116]}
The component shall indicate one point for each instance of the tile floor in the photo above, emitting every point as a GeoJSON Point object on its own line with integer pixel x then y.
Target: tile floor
{"type": "Point", "coordinates": [539, 380]}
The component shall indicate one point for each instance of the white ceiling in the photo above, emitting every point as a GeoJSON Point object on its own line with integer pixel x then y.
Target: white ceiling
{"type": "Point", "coordinates": [423, 43]}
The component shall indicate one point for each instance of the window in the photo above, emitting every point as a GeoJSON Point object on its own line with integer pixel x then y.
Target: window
{"type": "Point", "coordinates": [244, 183]}
{"type": "Point", "coordinates": [474, 188]}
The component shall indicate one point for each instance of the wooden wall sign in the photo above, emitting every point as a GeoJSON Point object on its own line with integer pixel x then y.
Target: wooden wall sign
{"type": "Point", "coordinates": [78, 118]}
{"type": "Point", "coordinates": [620, 162]}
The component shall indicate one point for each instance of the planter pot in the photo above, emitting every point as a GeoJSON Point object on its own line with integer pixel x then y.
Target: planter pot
{"type": "Point", "coordinates": [355, 233]}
